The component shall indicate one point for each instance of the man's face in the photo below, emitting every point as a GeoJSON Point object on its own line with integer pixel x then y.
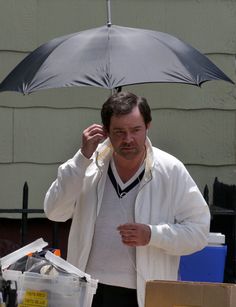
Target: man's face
{"type": "Point", "coordinates": [127, 134]}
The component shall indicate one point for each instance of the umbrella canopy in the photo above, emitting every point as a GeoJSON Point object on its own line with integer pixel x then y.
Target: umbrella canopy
{"type": "Point", "coordinates": [110, 57]}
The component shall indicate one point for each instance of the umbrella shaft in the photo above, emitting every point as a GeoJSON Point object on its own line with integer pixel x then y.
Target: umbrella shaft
{"type": "Point", "coordinates": [108, 13]}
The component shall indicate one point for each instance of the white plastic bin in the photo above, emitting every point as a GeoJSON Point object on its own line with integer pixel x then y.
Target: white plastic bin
{"type": "Point", "coordinates": [55, 291]}
{"type": "Point", "coordinates": [73, 288]}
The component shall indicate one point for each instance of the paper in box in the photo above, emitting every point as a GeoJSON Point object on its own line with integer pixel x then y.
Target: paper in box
{"type": "Point", "coordinates": [189, 294]}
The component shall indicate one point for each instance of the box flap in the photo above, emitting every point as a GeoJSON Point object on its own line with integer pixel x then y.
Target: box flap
{"type": "Point", "coordinates": [189, 294]}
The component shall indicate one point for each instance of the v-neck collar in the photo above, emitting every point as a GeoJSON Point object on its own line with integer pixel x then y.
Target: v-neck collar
{"type": "Point", "coordinates": [123, 188]}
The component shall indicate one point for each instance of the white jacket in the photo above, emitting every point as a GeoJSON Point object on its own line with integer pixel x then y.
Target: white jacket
{"type": "Point", "coordinates": [168, 200]}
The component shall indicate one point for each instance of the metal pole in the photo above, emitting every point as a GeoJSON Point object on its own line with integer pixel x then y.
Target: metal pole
{"type": "Point", "coordinates": [55, 235]}
{"type": "Point", "coordinates": [24, 214]}
{"type": "Point", "coordinates": [108, 13]}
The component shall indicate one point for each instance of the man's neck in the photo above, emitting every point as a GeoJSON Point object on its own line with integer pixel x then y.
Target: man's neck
{"type": "Point", "coordinates": [127, 168]}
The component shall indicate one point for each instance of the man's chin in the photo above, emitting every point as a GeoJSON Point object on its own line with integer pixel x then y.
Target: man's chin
{"type": "Point", "coordinates": [128, 154]}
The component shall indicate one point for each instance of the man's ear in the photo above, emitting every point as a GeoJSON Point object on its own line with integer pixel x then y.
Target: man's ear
{"type": "Point", "coordinates": [105, 131]}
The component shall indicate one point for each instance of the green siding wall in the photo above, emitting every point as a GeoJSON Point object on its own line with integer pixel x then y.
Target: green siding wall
{"type": "Point", "coordinates": [40, 131]}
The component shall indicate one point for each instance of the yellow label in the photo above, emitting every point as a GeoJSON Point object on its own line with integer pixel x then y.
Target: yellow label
{"type": "Point", "coordinates": [35, 294]}
{"type": "Point", "coordinates": [35, 302]}
{"type": "Point", "coordinates": [34, 298]}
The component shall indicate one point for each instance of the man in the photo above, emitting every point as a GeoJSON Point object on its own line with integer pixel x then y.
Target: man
{"type": "Point", "coordinates": [134, 208]}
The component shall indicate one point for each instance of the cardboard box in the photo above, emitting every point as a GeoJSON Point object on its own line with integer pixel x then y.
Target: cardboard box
{"type": "Point", "coordinates": [189, 294]}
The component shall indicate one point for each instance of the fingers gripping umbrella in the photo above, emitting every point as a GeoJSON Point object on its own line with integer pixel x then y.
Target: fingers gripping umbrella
{"type": "Point", "coordinates": [111, 57]}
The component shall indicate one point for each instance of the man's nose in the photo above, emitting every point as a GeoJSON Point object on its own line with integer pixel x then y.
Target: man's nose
{"type": "Point", "coordinates": [128, 137]}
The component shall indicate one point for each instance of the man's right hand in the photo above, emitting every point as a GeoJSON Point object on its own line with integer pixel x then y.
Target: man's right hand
{"type": "Point", "coordinates": [92, 136]}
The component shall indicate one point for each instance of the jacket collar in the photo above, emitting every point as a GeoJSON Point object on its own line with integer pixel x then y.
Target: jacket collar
{"type": "Point", "coordinates": [105, 150]}
{"type": "Point", "coordinates": [104, 153]}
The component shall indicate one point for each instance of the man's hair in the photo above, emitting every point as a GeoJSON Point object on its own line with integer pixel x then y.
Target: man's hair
{"type": "Point", "coordinates": [123, 103]}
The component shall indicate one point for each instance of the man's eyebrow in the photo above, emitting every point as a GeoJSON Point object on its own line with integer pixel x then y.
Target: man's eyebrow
{"type": "Point", "coordinates": [136, 127]}
{"type": "Point", "coordinates": [120, 128]}
{"type": "Point", "coordinates": [117, 128]}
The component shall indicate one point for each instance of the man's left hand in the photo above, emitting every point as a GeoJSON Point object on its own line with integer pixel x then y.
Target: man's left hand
{"type": "Point", "coordinates": [135, 234]}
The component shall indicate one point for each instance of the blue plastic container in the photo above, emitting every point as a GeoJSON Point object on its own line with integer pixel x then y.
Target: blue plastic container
{"type": "Point", "coordinates": [206, 265]}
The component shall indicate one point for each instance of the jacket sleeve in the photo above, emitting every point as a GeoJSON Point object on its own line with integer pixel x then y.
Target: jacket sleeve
{"type": "Point", "coordinates": [61, 197]}
{"type": "Point", "coordinates": [190, 229]}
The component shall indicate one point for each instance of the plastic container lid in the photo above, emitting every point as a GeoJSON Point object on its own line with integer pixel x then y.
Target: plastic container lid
{"type": "Point", "coordinates": [36, 246]}
{"type": "Point", "coordinates": [216, 238]}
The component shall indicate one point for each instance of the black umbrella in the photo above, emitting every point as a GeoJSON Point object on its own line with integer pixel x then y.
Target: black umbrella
{"type": "Point", "coordinates": [111, 57]}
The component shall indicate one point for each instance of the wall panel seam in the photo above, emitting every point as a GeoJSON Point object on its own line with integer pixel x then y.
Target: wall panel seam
{"type": "Point", "coordinates": [98, 109]}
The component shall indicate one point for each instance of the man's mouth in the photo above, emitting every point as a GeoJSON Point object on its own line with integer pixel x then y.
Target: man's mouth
{"type": "Point", "coordinates": [127, 148]}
